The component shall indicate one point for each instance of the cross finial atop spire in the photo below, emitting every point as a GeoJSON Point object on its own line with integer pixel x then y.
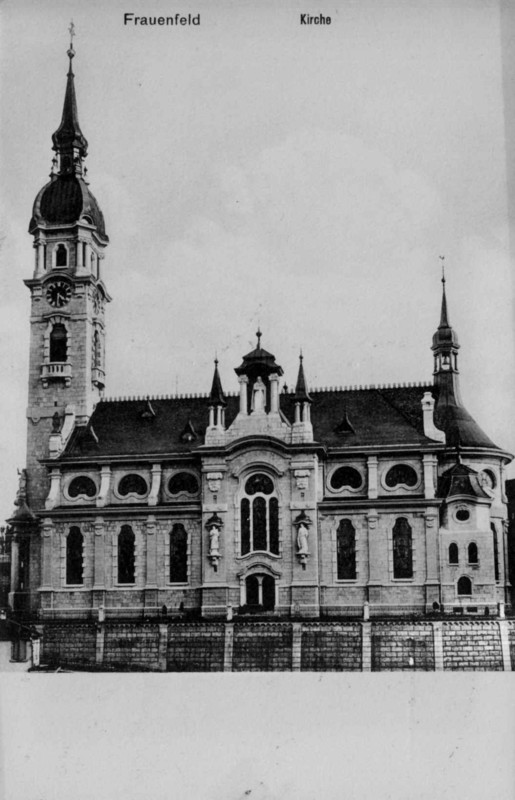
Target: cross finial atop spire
{"type": "Point", "coordinates": [442, 259]}
{"type": "Point", "coordinates": [444, 316]}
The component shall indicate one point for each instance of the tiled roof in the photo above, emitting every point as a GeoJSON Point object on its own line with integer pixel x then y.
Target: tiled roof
{"type": "Point", "coordinates": [374, 416]}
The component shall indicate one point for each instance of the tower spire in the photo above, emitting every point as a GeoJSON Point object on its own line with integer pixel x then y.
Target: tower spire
{"type": "Point", "coordinates": [445, 348]}
{"type": "Point", "coordinates": [444, 315]}
{"type": "Point", "coordinates": [69, 142]}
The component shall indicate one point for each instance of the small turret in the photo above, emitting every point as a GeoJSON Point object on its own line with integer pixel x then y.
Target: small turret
{"type": "Point", "coordinates": [217, 402]}
{"type": "Point", "coordinates": [302, 428]}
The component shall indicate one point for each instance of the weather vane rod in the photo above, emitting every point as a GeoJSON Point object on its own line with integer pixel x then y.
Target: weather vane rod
{"type": "Point", "coordinates": [442, 259]}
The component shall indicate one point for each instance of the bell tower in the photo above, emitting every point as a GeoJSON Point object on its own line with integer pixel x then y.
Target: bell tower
{"type": "Point", "coordinates": [68, 297]}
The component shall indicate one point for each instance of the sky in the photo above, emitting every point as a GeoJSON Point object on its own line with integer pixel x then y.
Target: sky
{"type": "Point", "coordinates": [253, 171]}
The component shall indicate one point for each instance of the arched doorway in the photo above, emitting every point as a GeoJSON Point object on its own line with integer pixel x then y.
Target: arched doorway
{"type": "Point", "coordinates": [260, 592]}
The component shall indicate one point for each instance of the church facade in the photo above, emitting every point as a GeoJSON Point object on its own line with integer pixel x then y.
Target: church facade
{"type": "Point", "coordinates": [358, 502]}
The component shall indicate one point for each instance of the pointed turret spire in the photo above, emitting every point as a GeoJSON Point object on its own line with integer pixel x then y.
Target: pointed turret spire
{"type": "Point", "coordinates": [301, 391]}
{"type": "Point", "coordinates": [444, 316]}
{"type": "Point", "coordinates": [70, 143]}
{"type": "Point", "coordinates": [216, 396]}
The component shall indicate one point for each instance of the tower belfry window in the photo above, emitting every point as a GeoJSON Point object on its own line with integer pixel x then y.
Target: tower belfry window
{"type": "Point", "coordinates": [58, 343]}
{"type": "Point", "coordinates": [61, 256]}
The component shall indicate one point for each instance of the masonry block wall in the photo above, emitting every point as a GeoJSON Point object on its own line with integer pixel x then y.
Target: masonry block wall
{"type": "Point", "coordinates": [380, 646]}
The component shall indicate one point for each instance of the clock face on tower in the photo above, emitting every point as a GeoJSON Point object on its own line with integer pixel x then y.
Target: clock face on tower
{"type": "Point", "coordinates": [58, 294]}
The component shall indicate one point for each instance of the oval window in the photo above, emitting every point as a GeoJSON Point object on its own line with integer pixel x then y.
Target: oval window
{"type": "Point", "coordinates": [346, 476]}
{"type": "Point", "coordinates": [132, 484]}
{"type": "Point", "coordinates": [462, 514]}
{"type": "Point", "coordinates": [82, 486]}
{"type": "Point", "coordinates": [183, 482]}
{"type": "Point", "coordinates": [259, 483]}
{"type": "Point", "coordinates": [401, 474]}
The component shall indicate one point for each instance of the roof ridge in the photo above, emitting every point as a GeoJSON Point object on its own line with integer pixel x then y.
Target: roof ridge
{"type": "Point", "coordinates": [143, 397]}
{"type": "Point", "coordinates": [372, 386]}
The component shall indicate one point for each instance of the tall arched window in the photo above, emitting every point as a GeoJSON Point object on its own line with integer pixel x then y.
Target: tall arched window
{"type": "Point", "coordinates": [178, 554]}
{"type": "Point", "coordinates": [473, 553]}
{"type": "Point", "coordinates": [496, 551]}
{"type": "Point", "coordinates": [61, 256]}
{"type": "Point", "coordinates": [74, 548]}
{"type": "Point", "coordinates": [454, 554]}
{"type": "Point", "coordinates": [259, 516]}
{"type": "Point", "coordinates": [402, 549]}
{"type": "Point", "coordinates": [126, 555]}
{"type": "Point", "coordinates": [58, 342]}
{"type": "Point", "coordinates": [346, 550]}
{"type": "Point", "coordinates": [464, 585]}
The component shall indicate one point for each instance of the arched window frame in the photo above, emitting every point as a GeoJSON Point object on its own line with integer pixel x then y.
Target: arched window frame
{"type": "Point", "coordinates": [454, 561]}
{"type": "Point", "coordinates": [358, 468]}
{"type": "Point", "coordinates": [495, 544]}
{"type": "Point", "coordinates": [259, 568]}
{"type": "Point", "coordinates": [460, 580]}
{"type": "Point", "coordinates": [473, 554]}
{"type": "Point", "coordinates": [74, 553]}
{"type": "Point", "coordinates": [57, 248]}
{"type": "Point", "coordinates": [121, 536]}
{"type": "Point", "coordinates": [81, 498]}
{"type": "Point", "coordinates": [396, 537]}
{"type": "Point", "coordinates": [339, 534]}
{"type": "Point", "coordinates": [56, 319]}
{"type": "Point", "coordinates": [401, 488]}
{"type": "Point", "coordinates": [183, 494]}
{"type": "Point", "coordinates": [187, 555]}
{"type": "Point", "coordinates": [131, 497]}
{"type": "Point", "coordinates": [276, 495]}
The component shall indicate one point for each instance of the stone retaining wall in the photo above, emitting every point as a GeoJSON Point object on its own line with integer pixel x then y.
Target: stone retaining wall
{"type": "Point", "coordinates": [379, 646]}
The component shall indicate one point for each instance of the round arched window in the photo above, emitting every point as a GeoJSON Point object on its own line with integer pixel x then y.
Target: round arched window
{"type": "Point", "coordinates": [464, 585]}
{"type": "Point", "coordinates": [259, 511]}
{"type": "Point", "coordinates": [82, 485]}
{"type": "Point", "coordinates": [183, 482]}
{"type": "Point", "coordinates": [132, 484]}
{"type": "Point", "coordinates": [487, 479]}
{"type": "Point", "coordinates": [347, 477]}
{"type": "Point", "coordinates": [401, 474]}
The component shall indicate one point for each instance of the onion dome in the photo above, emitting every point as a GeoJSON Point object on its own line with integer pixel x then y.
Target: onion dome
{"type": "Point", "coordinates": [259, 362]}
{"type": "Point", "coordinates": [216, 395]}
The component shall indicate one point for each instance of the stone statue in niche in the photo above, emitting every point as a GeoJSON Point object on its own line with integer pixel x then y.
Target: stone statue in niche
{"type": "Point", "coordinates": [258, 397]}
{"type": "Point", "coordinates": [214, 541]}
{"type": "Point", "coordinates": [302, 540]}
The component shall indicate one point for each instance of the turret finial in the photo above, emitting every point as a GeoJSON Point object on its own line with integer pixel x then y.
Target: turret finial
{"type": "Point", "coordinates": [442, 259]}
{"type": "Point", "coordinates": [259, 335]}
{"type": "Point", "coordinates": [71, 52]}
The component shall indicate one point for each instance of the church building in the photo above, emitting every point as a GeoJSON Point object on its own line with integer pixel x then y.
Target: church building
{"type": "Point", "coordinates": [252, 501]}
